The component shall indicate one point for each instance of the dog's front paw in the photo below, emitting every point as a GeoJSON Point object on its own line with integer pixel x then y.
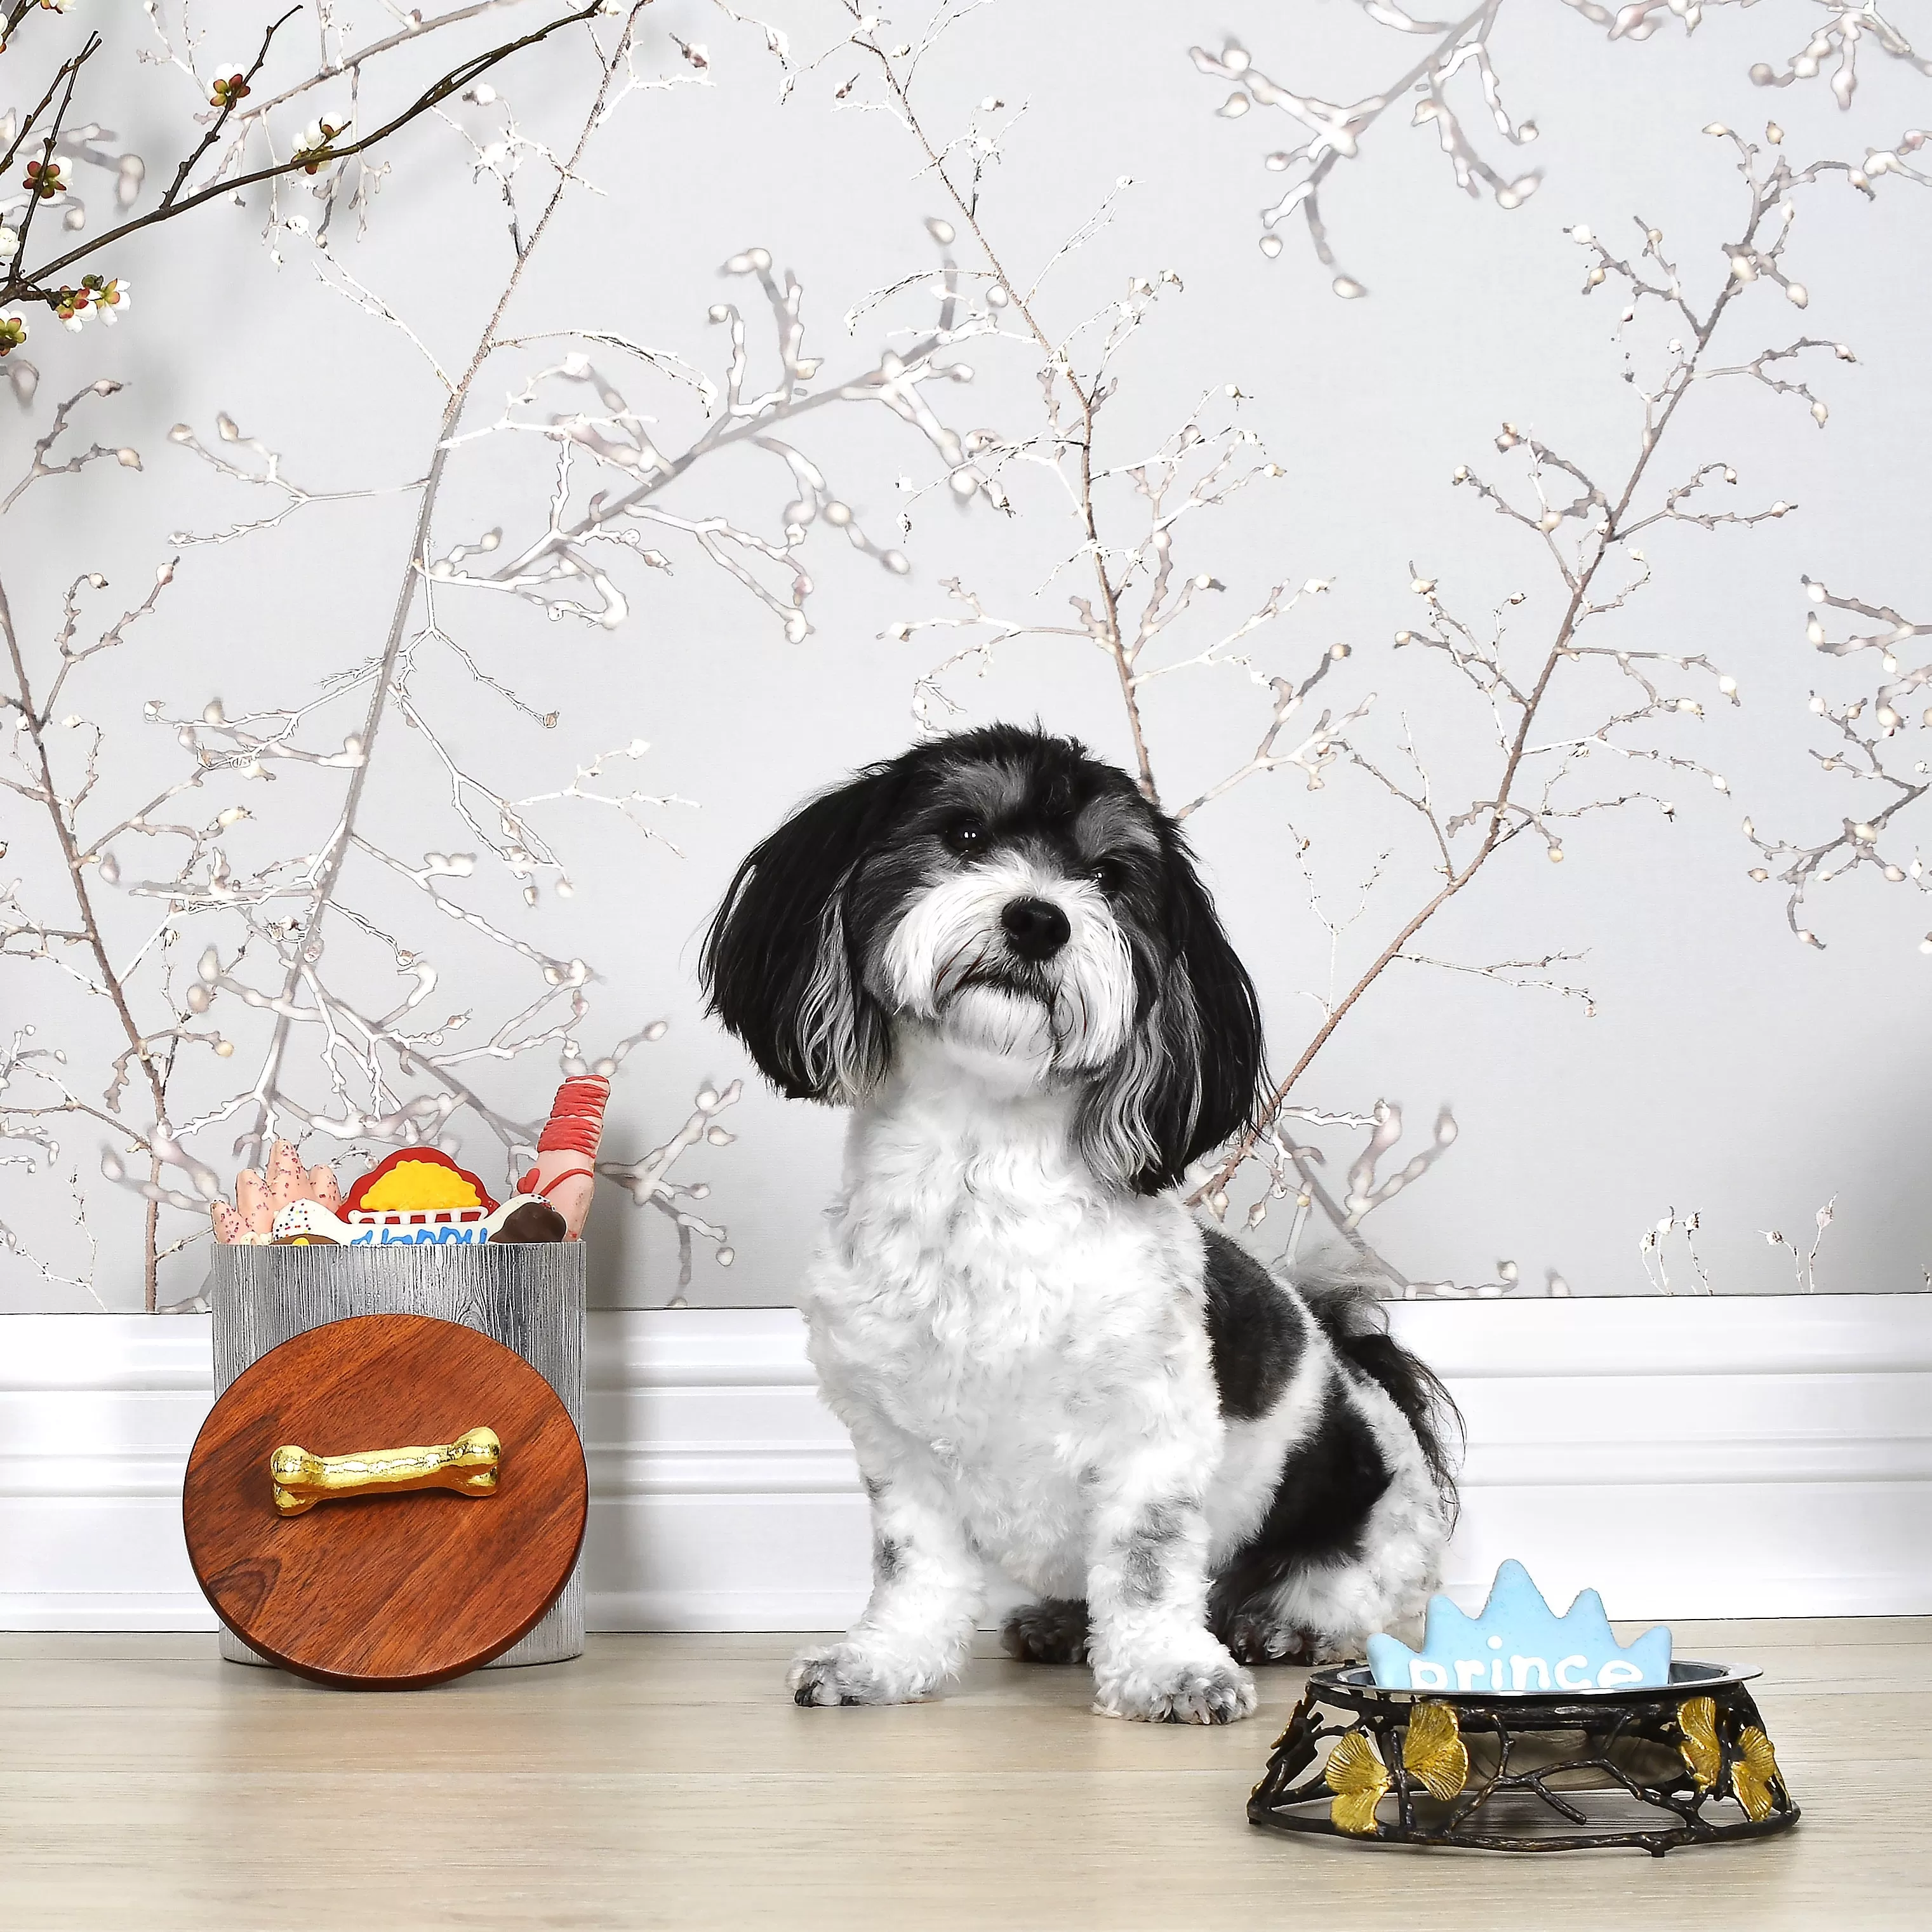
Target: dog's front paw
{"type": "Point", "coordinates": [847, 1672]}
{"type": "Point", "coordinates": [1206, 1686]}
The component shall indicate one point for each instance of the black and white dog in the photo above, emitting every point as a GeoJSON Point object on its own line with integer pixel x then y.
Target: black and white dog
{"type": "Point", "coordinates": [997, 953]}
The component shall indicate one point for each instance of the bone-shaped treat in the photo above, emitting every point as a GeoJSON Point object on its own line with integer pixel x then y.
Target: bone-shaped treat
{"type": "Point", "coordinates": [468, 1465]}
{"type": "Point", "coordinates": [310, 1221]}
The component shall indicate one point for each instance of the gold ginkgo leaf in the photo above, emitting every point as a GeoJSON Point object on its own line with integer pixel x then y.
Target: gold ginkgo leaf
{"type": "Point", "coordinates": [1358, 1778]}
{"type": "Point", "coordinates": [1433, 1750]}
{"type": "Point", "coordinates": [1754, 1774]}
{"type": "Point", "coordinates": [1697, 1719]}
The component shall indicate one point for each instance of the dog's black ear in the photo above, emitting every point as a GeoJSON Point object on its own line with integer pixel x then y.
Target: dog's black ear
{"type": "Point", "coordinates": [1191, 1075]}
{"type": "Point", "coordinates": [1228, 1018]}
{"type": "Point", "coordinates": [779, 967]}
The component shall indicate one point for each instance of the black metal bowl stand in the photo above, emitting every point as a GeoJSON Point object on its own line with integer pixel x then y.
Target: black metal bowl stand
{"type": "Point", "coordinates": [1651, 1769]}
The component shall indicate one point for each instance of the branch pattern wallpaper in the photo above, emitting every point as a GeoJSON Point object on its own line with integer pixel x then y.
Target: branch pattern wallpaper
{"type": "Point", "coordinates": [463, 476]}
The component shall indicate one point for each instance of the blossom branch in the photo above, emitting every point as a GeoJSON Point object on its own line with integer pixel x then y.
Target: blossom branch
{"type": "Point", "coordinates": [20, 282]}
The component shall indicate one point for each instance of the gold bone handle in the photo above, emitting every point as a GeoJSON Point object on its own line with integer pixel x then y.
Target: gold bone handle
{"type": "Point", "coordinates": [468, 1465]}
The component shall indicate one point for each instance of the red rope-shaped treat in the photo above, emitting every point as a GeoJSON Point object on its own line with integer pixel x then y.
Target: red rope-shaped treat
{"type": "Point", "coordinates": [576, 1123]}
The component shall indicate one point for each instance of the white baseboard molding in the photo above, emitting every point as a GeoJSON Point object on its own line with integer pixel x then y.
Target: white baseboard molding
{"type": "Point", "coordinates": [1736, 1458]}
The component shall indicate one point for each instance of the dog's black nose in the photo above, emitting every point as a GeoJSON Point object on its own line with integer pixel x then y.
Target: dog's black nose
{"type": "Point", "coordinates": [1036, 928]}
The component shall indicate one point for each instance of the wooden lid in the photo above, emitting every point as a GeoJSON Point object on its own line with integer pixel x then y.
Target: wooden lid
{"type": "Point", "coordinates": [385, 1592]}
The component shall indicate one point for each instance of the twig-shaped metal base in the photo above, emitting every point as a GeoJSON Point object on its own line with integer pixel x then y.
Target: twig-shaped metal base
{"type": "Point", "coordinates": [1652, 1769]}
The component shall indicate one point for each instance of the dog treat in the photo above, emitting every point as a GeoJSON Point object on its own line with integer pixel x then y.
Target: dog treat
{"type": "Point", "coordinates": [469, 1466]}
{"type": "Point", "coordinates": [260, 1197]}
{"type": "Point", "coordinates": [303, 1222]}
{"type": "Point", "coordinates": [415, 1181]}
{"type": "Point", "coordinates": [231, 1230]}
{"type": "Point", "coordinates": [518, 1219]}
{"type": "Point", "coordinates": [419, 1194]}
{"type": "Point", "coordinates": [250, 1199]}
{"type": "Point", "coordinates": [566, 1170]}
{"type": "Point", "coordinates": [286, 1178]}
{"type": "Point", "coordinates": [532, 1220]}
{"type": "Point", "coordinates": [1519, 1643]}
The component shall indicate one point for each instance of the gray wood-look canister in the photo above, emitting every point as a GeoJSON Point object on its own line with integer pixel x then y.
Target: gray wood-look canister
{"type": "Point", "coordinates": [528, 1296]}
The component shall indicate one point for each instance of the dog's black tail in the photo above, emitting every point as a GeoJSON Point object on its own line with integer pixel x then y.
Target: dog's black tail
{"type": "Point", "coordinates": [1343, 1298]}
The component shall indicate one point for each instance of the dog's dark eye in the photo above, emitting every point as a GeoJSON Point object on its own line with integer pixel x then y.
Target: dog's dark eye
{"type": "Point", "coordinates": [968, 835]}
{"type": "Point", "coordinates": [1107, 875]}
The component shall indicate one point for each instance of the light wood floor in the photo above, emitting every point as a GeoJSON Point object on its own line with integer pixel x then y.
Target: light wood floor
{"type": "Point", "coordinates": [668, 1781]}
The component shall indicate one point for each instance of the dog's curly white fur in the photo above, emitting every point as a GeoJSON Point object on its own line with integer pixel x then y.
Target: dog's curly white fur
{"type": "Point", "coordinates": [998, 953]}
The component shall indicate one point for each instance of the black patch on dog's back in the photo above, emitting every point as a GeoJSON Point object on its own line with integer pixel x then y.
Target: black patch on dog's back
{"type": "Point", "coordinates": [1255, 1331]}
{"type": "Point", "coordinates": [1329, 1480]}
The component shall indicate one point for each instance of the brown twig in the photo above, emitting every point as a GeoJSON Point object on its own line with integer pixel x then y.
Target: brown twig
{"type": "Point", "coordinates": [30, 285]}
{"type": "Point", "coordinates": [351, 63]}
{"type": "Point", "coordinates": [213, 134]}
{"type": "Point", "coordinates": [26, 127]}
{"type": "Point", "coordinates": [70, 68]}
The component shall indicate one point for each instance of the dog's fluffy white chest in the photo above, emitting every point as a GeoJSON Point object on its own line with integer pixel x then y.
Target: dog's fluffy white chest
{"type": "Point", "coordinates": [983, 1304]}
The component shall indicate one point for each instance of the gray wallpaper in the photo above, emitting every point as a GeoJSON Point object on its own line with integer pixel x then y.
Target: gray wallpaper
{"type": "Point", "coordinates": [588, 707]}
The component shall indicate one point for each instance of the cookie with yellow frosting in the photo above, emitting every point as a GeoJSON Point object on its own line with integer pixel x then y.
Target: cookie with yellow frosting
{"type": "Point", "coordinates": [418, 1181]}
